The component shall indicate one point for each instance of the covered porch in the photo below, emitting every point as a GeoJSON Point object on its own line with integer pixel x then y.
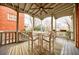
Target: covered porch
{"type": "Point", "coordinates": [40, 42]}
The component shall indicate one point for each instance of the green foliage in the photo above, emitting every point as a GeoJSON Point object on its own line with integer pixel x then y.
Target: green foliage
{"type": "Point", "coordinates": [37, 28]}
{"type": "Point", "coordinates": [26, 31]}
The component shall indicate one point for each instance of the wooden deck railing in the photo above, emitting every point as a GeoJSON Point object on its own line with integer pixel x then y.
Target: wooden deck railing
{"type": "Point", "coordinates": [32, 41]}
{"type": "Point", "coordinates": [7, 37]}
{"type": "Point", "coordinates": [49, 42]}
{"type": "Point", "coordinates": [23, 37]}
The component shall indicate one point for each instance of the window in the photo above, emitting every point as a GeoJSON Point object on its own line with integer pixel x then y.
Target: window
{"type": "Point", "coordinates": [12, 17]}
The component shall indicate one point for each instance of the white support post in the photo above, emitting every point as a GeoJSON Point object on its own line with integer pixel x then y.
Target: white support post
{"type": "Point", "coordinates": [54, 37]}
{"type": "Point", "coordinates": [51, 23]}
{"type": "Point", "coordinates": [73, 27]}
{"type": "Point", "coordinates": [74, 23]}
{"type": "Point", "coordinates": [50, 40]}
{"type": "Point", "coordinates": [33, 23]}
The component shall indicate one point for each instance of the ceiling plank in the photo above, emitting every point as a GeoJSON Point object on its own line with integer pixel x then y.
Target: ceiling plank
{"type": "Point", "coordinates": [64, 9]}
{"type": "Point", "coordinates": [49, 4]}
{"type": "Point", "coordinates": [59, 6]}
{"type": "Point", "coordinates": [52, 6]}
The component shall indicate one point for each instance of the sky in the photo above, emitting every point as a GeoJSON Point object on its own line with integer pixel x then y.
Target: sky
{"type": "Point", "coordinates": [27, 20]}
{"type": "Point", "coordinates": [62, 22]}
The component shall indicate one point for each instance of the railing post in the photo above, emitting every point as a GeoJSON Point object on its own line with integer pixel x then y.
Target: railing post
{"type": "Point", "coordinates": [9, 37]}
{"type": "Point", "coordinates": [17, 24]}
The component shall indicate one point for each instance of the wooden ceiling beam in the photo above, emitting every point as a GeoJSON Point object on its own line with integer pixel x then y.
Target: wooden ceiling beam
{"type": "Point", "coordinates": [34, 8]}
{"type": "Point", "coordinates": [45, 11]}
{"type": "Point", "coordinates": [47, 5]}
{"type": "Point", "coordinates": [12, 4]}
{"type": "Point", "coordinates": [25, 6]}
{"type": "Point", "coordinates": [31, 12]}
{"type": "Point", "coordinates": [37, 5]}
{"type": "Point", "coordinates": [36, 12]}
{"type": "Point", "coordinates": [41, 12]}
{"type": "Point", "coordinates": [52, 6]}
{"type": "Point", "coordinates": [29, 8]}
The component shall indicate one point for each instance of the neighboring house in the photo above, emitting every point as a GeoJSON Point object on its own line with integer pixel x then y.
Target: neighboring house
{"type": "Point", "coordinates": [8, 19]}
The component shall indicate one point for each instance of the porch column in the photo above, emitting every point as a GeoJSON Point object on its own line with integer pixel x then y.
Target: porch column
{"type": "Point", "coordinates": [51, 23]}
{"type": "Point", "coordinates": [33, 23]}
{"type": "Point", "coordinates": [50, 41]}
{"type": "Point", "coordinates": [77, 25]}
{"type": "Point", "coordinates": [17, 25]}
{"type": "Point", "coordinates": [54, 38]}
{"type": "Point", "coordinates": [41, 26]}
{"type": "Point", "coordinates": [74, 24]}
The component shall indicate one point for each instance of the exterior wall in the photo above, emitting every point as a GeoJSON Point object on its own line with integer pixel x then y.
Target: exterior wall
{"type": "Point", "coordinates": [8, 24]}
{"type": "Point", "coordinates": [21, 21]}
{"type": "Point", "coordinates": [77, 25]}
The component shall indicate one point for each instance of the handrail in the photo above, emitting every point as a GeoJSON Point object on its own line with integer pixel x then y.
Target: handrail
{"type": "Point", "coordinates": [45, 40]}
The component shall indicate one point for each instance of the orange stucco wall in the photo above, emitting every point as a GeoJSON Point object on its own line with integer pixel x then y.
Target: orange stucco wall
{"type": "Point", "coordinates": [6, 24]}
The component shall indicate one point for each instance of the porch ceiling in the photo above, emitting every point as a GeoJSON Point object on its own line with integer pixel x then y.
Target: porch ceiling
{"type": "Point", "coordinates": [42, 10]}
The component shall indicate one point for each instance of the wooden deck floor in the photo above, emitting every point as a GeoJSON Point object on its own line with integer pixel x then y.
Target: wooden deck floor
{"type": "Point", "coordinates": [22, 48]}
{"type": "Point", "coordinates": [69, 49]}
{"type": "Point", "coordinates": [14, 49]}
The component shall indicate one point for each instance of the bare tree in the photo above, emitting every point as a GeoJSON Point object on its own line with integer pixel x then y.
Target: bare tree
{"type": "Point", "coordinates": [69, 28]}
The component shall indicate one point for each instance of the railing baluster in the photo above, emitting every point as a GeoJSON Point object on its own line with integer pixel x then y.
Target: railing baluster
{"type": "Point", "coordinates": [5, 37]}
{"type": "Point", "coordinates": [12, 37]}
{"type": "Point", "coordinates": [38, 39]}
{"type": "Point", "coordinates": [42, 43]}
{"type": "Point", "coordinates": [18, 37]}
{"type": "Point", "coordinates": [31, 39]}
{"type": "Point", "coordinates": [15, 38]}
{"type": "Point", "coordinates": [9, 37]}
{"type": "Point", "coordinates": [28, 46]}
{"type": "Point", "coordinates": [0, 38]}
{"type": "Point", "coordinates": [50, 44]}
